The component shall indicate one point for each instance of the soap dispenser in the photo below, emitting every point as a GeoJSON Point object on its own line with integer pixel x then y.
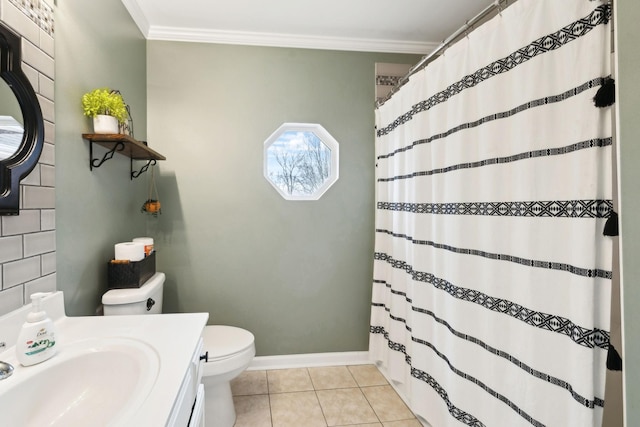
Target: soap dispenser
{"type": "Point", "coordinates": [36, 341]}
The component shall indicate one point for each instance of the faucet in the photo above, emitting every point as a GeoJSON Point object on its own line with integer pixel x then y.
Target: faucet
{"type": "Point", "coordinates": [5, 370]}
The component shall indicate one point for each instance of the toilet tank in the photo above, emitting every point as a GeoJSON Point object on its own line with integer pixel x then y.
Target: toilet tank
{"type": "Point", "coordinates": [147, 299]}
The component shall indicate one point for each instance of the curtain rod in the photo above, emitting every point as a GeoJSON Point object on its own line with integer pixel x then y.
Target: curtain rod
{"type": "Point", "coordinates": [497, 4]}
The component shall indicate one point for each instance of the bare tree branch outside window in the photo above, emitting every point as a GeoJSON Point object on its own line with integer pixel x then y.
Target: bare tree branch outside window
{"type": "Point", "coordinates": [299, 162]}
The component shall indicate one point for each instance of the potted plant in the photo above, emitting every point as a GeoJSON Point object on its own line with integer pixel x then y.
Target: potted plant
{"type": "Point", "coordinates": [107, 108]}
{"type": "Point", "coordinates": [152, 206]}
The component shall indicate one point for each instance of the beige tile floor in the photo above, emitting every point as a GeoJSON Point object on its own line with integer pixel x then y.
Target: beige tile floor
{"type": "Point", "coordinates": [308, 397]}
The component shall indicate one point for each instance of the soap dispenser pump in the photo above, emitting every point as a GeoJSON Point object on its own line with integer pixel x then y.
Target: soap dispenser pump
{"type": "Point", "coordinates": [36, 341]}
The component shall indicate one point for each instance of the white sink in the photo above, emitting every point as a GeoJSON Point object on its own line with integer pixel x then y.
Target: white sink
{"type": "Point", "coordinates": [95, 382]}
{"type": "Point", "coordinates": [116, 371]}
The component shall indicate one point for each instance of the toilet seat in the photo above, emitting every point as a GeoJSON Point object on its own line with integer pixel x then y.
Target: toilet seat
{"type": "Point", "coordinates": [229, 348]}
{"type": "Point", "coordinates": [224, 341]}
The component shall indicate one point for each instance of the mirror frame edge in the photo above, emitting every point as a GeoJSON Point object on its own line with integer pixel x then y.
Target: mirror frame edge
{"type": "Point", "coordinates": [20, 164]}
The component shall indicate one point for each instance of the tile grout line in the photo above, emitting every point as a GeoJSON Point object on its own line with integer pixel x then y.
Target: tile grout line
{"type": "Point", "coordinates": [360, 387]}
{"type": "Point", "coordinates": [315, 389]}
{"type": "Point", "coordinates": [315, 393]}
{"type": "Point", "coordinates": [371, 406]}
{"type": "Point", "coordinates": [266, 376]}
{"type": "Point", "coordinates": [326, 423]}
{"type": "Point", "coordinates": [269, 400]}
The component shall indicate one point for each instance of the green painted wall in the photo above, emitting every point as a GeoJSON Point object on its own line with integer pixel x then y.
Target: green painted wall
{"type": "Point", "coordinates": [628, 104]}
{"type": "Point", "coordinates": [97, 44]}
{"type": "Point", "coordinates": [296, 274]}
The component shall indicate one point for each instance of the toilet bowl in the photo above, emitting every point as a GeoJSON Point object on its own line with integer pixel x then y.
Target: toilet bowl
{"type": "Point", "coordinates": [229, 350]}
{"type": "Point", "coordinates": [232, 351]}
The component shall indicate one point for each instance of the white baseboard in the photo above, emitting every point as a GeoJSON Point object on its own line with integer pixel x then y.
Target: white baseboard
{"type": "Point", "coordinates": [310, 360]}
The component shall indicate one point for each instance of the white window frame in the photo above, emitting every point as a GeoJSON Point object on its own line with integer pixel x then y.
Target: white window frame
{"type": "Point", "coordinates": [325, 137]}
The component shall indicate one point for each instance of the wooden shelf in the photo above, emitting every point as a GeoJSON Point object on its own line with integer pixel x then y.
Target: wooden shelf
{"type": "Point", "coordinates": [125, 145]}
{"type": "Point", "coordinates": [132, 148]}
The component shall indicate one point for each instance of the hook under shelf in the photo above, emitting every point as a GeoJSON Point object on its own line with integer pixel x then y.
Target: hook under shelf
{"type": "Point", "coordinates": [143, 169]}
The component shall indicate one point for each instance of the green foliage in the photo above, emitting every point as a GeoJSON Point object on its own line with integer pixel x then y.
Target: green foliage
{"type": "Point", "coordinates": [104, 101]}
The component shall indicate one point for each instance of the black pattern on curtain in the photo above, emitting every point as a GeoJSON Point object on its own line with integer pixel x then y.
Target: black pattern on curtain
{"type": "Point", "coordinates": [492, 277]}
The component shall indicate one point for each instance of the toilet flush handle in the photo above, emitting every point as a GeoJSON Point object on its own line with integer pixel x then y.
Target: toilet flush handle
{"type": "Point", "coordinates": [205, 357]}
{"type": "Point", "coordinates": [150, 303]}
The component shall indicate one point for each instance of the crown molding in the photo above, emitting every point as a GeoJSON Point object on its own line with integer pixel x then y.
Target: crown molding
{"type": "Point", "coordinates": [138, 16]}
{"type": "Point", "coordinates": [283, 40]}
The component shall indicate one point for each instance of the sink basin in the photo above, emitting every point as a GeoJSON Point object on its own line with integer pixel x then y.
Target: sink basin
{"type": "Point", "coordinates": [89, 382]}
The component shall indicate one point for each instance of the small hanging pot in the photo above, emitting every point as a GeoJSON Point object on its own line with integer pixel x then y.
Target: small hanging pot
{"type": "Point", "coordinates": [152, 205]}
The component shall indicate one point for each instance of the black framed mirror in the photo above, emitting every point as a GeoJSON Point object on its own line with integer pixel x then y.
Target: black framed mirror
{"type": "Point", "coordinates": [21, 123]}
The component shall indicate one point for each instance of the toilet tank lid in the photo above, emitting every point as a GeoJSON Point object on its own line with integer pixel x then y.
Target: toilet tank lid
{"type": "Point", "coordinates": [134, 295]}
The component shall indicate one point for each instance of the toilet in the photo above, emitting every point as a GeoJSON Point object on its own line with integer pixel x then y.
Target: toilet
{"type": "Point", "coordinates": [230, 350]}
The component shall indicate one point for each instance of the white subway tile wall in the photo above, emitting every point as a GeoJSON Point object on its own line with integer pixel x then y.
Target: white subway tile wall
{"type": "Point", "coordinates": [47, 176]}
{"type": "Point", "coordinates": [34, 197]}
{"type": "Point", "coordinates": [37, 58]}
{"type": "Point", "coordinates": [28, 241]}
{"type": "Point", "coordinates": [45, 86]}
{"type": "Point", "coordinates": [48, 219]}
{"type": "Point", "coordinates": [26, 222]}
{"type": "Point", "coordinates": [48, 155]}
{"type": "Point", "coordinates": [47, 109]}
{"type": "Point", "coordinates": [10, 248]}
{"type": "Point", "coordinates": [21, 271]}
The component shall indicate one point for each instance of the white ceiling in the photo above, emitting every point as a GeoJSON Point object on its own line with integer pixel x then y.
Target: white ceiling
{"type": "Point", "coordinates": [403, 26]}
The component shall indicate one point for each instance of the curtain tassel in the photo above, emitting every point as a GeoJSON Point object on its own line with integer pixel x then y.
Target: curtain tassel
{"type": "Point", "coordinates": [606, 95]}
{"type": "Point", "coordinates": [614, 361]}
{"type": "Point", "coordinates": [611, 226]}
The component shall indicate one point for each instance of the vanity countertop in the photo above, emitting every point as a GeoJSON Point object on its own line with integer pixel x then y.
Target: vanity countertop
{"type": "Point", "coordinates": [173, 337]}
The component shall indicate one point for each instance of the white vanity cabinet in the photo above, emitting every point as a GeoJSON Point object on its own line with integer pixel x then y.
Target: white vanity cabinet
{"type": "Point", "coordinates": [188, 410]}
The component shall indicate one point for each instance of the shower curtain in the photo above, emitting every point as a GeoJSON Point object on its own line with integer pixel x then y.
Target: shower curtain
{"type": "Point", "coordinates": [491, 290]}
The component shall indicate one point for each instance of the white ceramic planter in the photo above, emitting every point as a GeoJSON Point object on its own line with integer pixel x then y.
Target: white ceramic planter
{"type": "Point", "coordinates": [105, 124]}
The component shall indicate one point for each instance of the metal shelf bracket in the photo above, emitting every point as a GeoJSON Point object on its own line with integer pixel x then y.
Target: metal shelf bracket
{"type": "Point", "coordinates": [96, 163]}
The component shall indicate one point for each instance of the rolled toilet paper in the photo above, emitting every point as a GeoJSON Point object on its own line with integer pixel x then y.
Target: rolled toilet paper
{"type": "Point", "coordinates": [148, 244]}
{"type": "Point", "coordinates": [132, 251]}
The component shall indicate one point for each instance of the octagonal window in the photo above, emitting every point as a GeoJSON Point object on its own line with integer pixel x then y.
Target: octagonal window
{"type": "Point", "coordinates": [301, 161]}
